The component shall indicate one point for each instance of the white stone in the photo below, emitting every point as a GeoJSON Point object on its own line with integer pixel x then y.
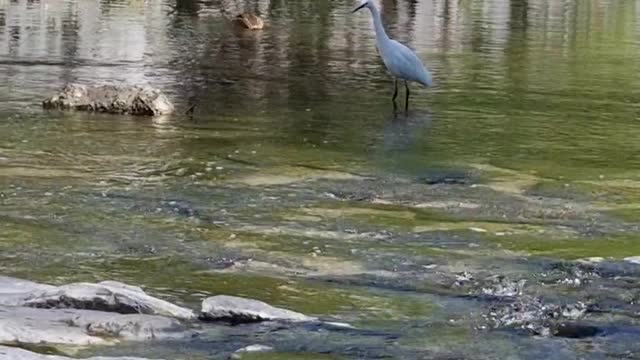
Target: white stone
{"type": "Point", "coordinates": [12, 353]}
{"type": "Point", "coordinates": [23, 325]}
{"type": "Point", "coordinates": [240, 310]}
{"type": "Point", "coordinates": [110, 296]}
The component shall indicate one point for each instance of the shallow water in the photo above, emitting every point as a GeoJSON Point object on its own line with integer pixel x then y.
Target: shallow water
{"type": "Point", "coordinates": [295, 183]}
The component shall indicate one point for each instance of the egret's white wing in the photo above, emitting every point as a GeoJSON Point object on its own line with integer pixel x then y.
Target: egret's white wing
{"type": "Point", "coordinates": [402, 62]}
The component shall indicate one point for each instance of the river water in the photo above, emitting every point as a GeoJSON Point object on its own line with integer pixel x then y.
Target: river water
{"type": "Point", "coordinates": [515, 178]}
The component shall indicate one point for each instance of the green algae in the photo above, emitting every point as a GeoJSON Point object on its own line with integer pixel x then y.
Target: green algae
{"type": "Point", "coordinates": [419, 220]}
{"type": "Point", "coordinates": [612, 246]}
{"type": "Point", "coordinates": [284, 175]}
{"type": "Point", "coordinates": [316, 298]}
{"type": "Point", "coordinates": [288, 356]}
{"type": "Point", "coordinates": [385, 216]}
{"type": "Point", "coordinates": [630, 215]}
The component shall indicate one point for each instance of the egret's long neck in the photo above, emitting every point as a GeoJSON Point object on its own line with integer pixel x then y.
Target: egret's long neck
{"type": "Point", "coordinates": [381, 35]}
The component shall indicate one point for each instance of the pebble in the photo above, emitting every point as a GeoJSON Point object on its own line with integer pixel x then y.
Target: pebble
{"type": "Point", "coordinates": [595, 259]}
{"type": "Point", "coordinates": [250, 349]}
{"type": "Point", "coordinates": [339, 325]}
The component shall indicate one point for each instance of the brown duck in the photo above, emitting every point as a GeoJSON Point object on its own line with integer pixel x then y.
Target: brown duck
{"type": "Point", "coordinates": [249, 20]}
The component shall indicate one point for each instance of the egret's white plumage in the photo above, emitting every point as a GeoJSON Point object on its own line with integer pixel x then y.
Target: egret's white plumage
{"type": "Point", "coordinates": [401, 61]}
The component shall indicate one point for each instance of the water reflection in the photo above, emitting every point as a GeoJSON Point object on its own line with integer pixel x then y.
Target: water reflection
{"type": "Point", "coordinates": [186, 7]}
{"type": "Point", "coordinates": [304, 47]}
{"type": "Point", "coordinates": [491, 57]}
{"type": "Point", "coordinates": [404, 128]}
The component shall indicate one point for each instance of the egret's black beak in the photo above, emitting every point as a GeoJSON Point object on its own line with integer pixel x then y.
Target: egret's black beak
{"type": "Point", "coordinates": [359, 7]}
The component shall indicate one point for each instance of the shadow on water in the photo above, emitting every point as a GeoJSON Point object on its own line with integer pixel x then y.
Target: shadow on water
{"type": "Point", "coordinates": [403, 128]}
{"type": "Point", "coordinates": [400, 133]}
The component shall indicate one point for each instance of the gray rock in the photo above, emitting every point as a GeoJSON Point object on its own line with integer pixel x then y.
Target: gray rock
{"type": "Point", "coordinates": [133, 100]}
{"type": "Point", "coordinates": [242, 310]}
{"type": "Point", "coordinates": [12, 353]}
{"type": "Point", "coordinates": [250, 349]}
{"type": "Point", "coordinates": [105, 296]}
{"type": "Point", "coordinates": [14, 291]}
{"type": "Point", "coordinates": [9, 285]}
{"type": "Point", "coordinates": [22, 325]}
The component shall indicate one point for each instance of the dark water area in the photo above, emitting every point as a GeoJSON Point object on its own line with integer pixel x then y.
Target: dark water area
{"type": "Point", "coordinates": [508, 193]}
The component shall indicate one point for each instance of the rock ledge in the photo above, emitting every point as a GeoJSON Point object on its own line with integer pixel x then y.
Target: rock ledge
{"type": "Point", "coordinates": [132, 100]}
{"type": "Point", "coordinates": [12, 353]}
{"type": "Point", "coordinates": [241, 310]}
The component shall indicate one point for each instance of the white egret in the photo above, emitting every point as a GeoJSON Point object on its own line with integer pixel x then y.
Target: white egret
{"type": "Point", "coordinates": [401, 61]}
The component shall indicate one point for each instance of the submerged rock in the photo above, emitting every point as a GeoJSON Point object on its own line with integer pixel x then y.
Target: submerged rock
{"type": "Point", "coordinates": [12, 353]}
{"type": "Point", "coordinates": [498, 285]}
{"type": "Point", "coordinates": [534, 316]}
{"type": "Point", "coordinates": [132, 100]}
{"type": "Point", "coordinates": [490, 286]}
{"type": "Point", "coordinates": [241, 310]}
{"type": "Point", "coordinates": [23, 325]}
{"type": "Point", "coordinates": [510, 307]}
{"type": "Point", "coordinates": [577, 330]}
{"type": "Point", "coordinates": [109, 296]}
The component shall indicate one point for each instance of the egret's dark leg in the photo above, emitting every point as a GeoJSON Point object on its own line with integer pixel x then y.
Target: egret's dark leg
{"type": "Point", "coordinates": [406, 100]}
{"type": "Point", "coordinates": [395, 90]}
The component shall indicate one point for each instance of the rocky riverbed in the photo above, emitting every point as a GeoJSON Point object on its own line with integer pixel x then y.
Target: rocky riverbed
{"type": "Point", "coordinates": [347, 263]}
{"type": "Point", "coordinates": [592, 299]}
